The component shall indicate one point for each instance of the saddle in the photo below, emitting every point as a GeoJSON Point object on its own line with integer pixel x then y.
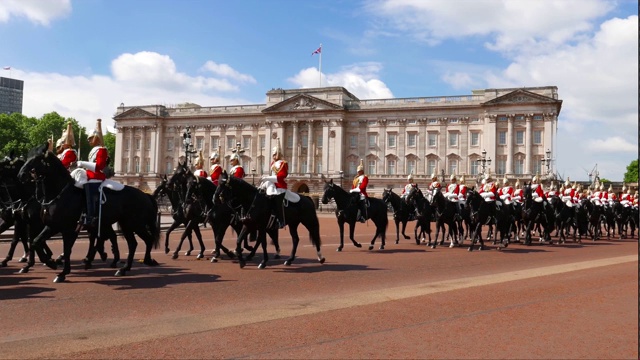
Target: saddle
{"type": "Point", "coordinates": [80, 176]}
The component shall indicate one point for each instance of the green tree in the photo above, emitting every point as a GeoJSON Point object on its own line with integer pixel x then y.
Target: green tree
{"type": "Point", "coordinates": [110, 144]}
{"type": "Point", "coordinates": [15, 134]}
{"type": "Point", "coordinates": [49, 126]}
{"type": "Point", "coordinates": [631, 175]}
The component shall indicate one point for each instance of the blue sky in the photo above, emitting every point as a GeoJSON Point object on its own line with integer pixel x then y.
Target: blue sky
{"type": "Point", "coordinates": [83, 58]}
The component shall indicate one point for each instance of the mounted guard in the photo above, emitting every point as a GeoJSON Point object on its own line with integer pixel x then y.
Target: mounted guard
{"type": "Point", "coordinates": [360, 182]}
{"type": "Point", "coordinates": [64, 148]}
{"type": "Point", "coordinates": [216, 169]}
{"type": "Point", "coordinates": [488, 190]}
{"type": "Point", "coordinates": [236, 169]}
{"type": "Point", "coordinates": [506, 191]}
{"type": "Point", "coordinates": [94, 167]}
{"type": "Point", "coordinates": [537, 192]}
{"type": "Point", "coordinates": [407, 188]}
{"type": "Point", "coordinates": [199, 164]}
{"type": "Point", "coordinates": [275, 185]}
{"type": "Point", "coordinates": [453, 194]}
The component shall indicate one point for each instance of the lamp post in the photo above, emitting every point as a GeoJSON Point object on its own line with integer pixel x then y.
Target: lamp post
{"type": "Point", "coordinates": [341, 176]}
{"type": "Point", "coordinates": [484, 162]}
{"type": "Point", "coordinates": [253, 175]}
{"type": "Point", "coordinates": [187, 144]}
{"type": "Point", "coordinates": [546, 161]}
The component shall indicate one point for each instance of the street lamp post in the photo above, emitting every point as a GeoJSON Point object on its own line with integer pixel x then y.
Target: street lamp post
{"type": "Point", "coordinates": [484, 162]}
{"type": "Point", "coordinates": [546, 161]}
{"type": "Point", "coordinates": [187, 144]}
{"type": "Point", "coordinates": [253, 175]}
{"type": "Point", "coordinates": [341, 176]}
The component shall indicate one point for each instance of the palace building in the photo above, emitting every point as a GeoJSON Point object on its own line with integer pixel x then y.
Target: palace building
{"type": "Point", "coordinates": [326, 132]}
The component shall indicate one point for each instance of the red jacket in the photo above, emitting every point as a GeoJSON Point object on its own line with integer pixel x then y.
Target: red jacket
{"type": "Point", "coordinates": [216, 170]}
{"type": "Point", "coordinates": [98, 155]}
{"type": "Point", "coordinates": [237, 171]}
{"type": "Point", "coordinates": [361, 182]}
{"type": "Point", "coordinates": [67, 157]}
{"type": "Point", "coordinates": [201, 173]}
{"type": "Point", "coordinates": [281, 170]}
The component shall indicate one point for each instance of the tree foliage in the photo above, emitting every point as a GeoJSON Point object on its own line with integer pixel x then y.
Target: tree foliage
{"type": "Point", "coordinates": [631, 175]}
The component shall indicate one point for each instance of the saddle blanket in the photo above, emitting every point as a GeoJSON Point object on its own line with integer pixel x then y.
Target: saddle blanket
{"type": "Point", "coordinates": [80, 176]}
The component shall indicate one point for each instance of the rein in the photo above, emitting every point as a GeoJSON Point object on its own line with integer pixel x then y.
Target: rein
{"type": "Point", "coordinates": [43, 203]}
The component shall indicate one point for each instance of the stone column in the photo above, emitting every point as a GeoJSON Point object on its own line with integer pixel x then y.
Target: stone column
{"type": "Point", "coordinates": [509, 169]}
{"type": "Point", "coordinates": [325, 146]}
{"type": "Point", "coordinates": [528, 160]}
{"type": "Point", "coordinates": [143, 150]}
{"type": "Point", "coordinates": [132, 149]}
{"type": "Point", "coordinates": [117, 164]}
{"type": "Point", "coordinates": [310, 153]}
{"type": "Point", "coordinates": [294, 157]}
{"type": "Point", "coordinates": [158, 149]}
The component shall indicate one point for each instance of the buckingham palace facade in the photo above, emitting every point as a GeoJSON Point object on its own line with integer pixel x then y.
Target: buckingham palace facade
{"type": "Point", "coordinates": [327, 132]}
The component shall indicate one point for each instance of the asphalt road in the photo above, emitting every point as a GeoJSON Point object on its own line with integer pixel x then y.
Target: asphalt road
{"type": "Point", "coordinates": [566, 301]}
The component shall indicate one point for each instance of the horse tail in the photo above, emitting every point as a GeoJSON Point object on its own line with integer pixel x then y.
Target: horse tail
{"type": "Point", "coordinates": [154, 223]}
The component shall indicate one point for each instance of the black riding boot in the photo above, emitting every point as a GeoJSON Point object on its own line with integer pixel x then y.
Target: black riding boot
{"type": "Point", "coordinates": [91, 195]}
{"type": "Point", "coordinates": [279, 209]}
{"type": "Point", "coordinates": [362, 211]}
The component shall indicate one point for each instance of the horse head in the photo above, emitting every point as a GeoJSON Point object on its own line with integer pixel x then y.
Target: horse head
{"type": "Point", "coordinates": [386, 195]}
{"type": "Point", "coordinates": [161, 189]}
{"type": "Point", "coordinates": [329, 191]}
{"type": "Point", "coordinates": [43, 164]}
{"type": "Point", "coordinates": [178, 179]}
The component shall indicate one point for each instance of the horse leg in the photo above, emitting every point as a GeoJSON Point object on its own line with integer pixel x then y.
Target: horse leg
{"type": "Point", "coordinates": [68, 239]}
{"type": "Point", "coordinates": [172, 227]}
{"type": "Point", "coordinates": [398, 230]}
{"type": "Point", "coordinates": [132, 244]}
{"type": "Point", "coordinates": [113, 239]}
{"type": "Point", "coordinates": [293, 230]}
{"type": "Point", "coordinates": [404, 226]}
{"type": "Point", "coordinates": [91, 253]}
{"type": "Point", "coordinates": [187, 233]}
{"type": "Point", "coordinates": [199, 237]}
{"type": "Point", "coordinates": [341, 228]}
{"type": "Point", "coordinates": [12, 248]}
{"type": "Point", "coordinates": [352, 228]}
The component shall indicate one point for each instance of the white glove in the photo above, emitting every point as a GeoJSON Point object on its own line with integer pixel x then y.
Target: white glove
{"type": "Point", "coordinates": [271, 178]}
{"type": "Point", "coordinates": [356, 190]}
{"type": "Point", "coordinates": [87, 165]}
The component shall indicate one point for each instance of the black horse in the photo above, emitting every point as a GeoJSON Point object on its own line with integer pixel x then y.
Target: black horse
{"type": "Point", "coordinates": [63, 204]}
{"type": "Point", "coordinates": [481, 213]}
{"type": "Point", "coordinates": [177, 212]}
{"type": "Point", "coordinates": [536, 213]}
{"type": "Point", "coordinates": [347, 210]}
{"type": "Point", "coordinates": [564, 218]}
{"type": "Point", "coordinates": [445, 214]}
{"type": "Point", "coordinates": [403, 212]}
{"type": "Point", "coordinates": [424, 213]}
{"type": "Point", "coordinates": [184, 210]}
{"type": "Point", "coordinates": [258, 209]}
{"type": "Point", "coordinates": [220, 217]}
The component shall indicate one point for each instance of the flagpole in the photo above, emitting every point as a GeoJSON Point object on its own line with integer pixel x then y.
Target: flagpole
{"type": "Point", "coordinates": [79, 141]}
{"type": "Point", "coordinates": [320, 65]}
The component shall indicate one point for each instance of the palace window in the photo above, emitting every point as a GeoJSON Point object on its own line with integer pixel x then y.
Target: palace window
{"type": "Point", "coordinates": [537, 137]}
{"type": "Point", "coordinates": [411, 166]}
{"type": "Point", "coordinates": [502, 138]}
{"type": "Point", "coordinates": [147, 165]}
{"type": "Point", "coordinates": [501, 166]}
{"type": "Point", "coordinates": [453, 139]}
{"type": "Point", "coordinates": [475, 139]}
{"type": "Point", "coordinates": [319, 141]}
{"type": "Point", "coordinates": [519, 137]}
{"type": "Point", "coordinates": [246, 142]}
{"type": "Point", "coordinates": [231, 142]}
{"type": "Point", "coordinates": [372, 140]}
{"type": "Point", "coordinates": [148, 144]}
{"type": "Point", "coordinates": [200, 143]}
{"type": "Point", "coordinates": [168, 167]}
{"type": "Point", "coordinates": [371, 166]}
{"type": "Point", "coordinates": [303, 166]}
{"type": "Point", "coordinates": [137, 143]}
{"type": "Point", "coordinates": [453, 166]}
{"type": "Point", "coordinates": [519, 165]}
{"type": "Point", "coordinates": [391, 167]}
{"type": "Point", "coordinates": [474, 167]}
{"type": "Point", "coordinates": [432, 140]}
{"type": "Point", "coordinates": [305, 141]}
{"type": "Point", "coordinates": [319, 166]}
{"type": "Point", "coordinates": [412, 139]}
{"type": "Point", "coordinates": [215, 142]}
{"type": "Point", "coordinates": [289, 141]}
{"type": "Point", "coordinates": [169, 144]}
{"type": "Point", "coordinates": [136, 161]}
{"type": "Point", "coordinates": [431, 166]}
{"type": "Point", "coordinates": [263, 142]}
{"type": "Point", "coordinates": [391, 140]}
{"type": "Point", "coordinates": [353, 141]}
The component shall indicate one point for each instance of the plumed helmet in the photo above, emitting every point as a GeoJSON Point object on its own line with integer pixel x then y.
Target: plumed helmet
{"type": "Point", "coordinates": [552, 186]}
{"type": "Point", "coordinates": [578, 188]}
{"type": "Point", "coordinates": [574, 186]}
{"type": "Point", "coordinates": [434, 177]}
{"type": "Point", "coordinates": [410, 178]}
{"type": "Point", "coordinates": [462, 179]}
{"type": "Point", "coordinates": [50, 142]}
{"type": "Point", "coordinates": [601, 187]}
{"type": "Point", "coordinates": [59, 142]}
{"type": "Point", "coordinates": [624, 187]}
{"type": "Point", "coordinates": [67, 137]}
{"type": "Point", "coordinates": [97, 132]}
{"type": "Point", "coordinates": [277, 150]}
{"type": "Point", "coordinates": [199, 162]}
{"type": "Point", "coordinates": [215, 155]}
{"type": "Point", "coordinates": [535, 179]}
{"type": "Point", "coordinates": [505, 181]}
{"type": "Point", "coordinates": [610, 188]}
{"type": "Point", "coordinates": [517, 184]}
{"type": "Point", "coordinates": [629, 191]}
{"type": "Point", "coordinates": [487, 176]}
{"type": "Point", "coordinates": [234, 156]}
{"type": "Point", "coordinates": [361, 166]}
{"type": "Point", "coordinates": [452, 178]}
{"type": "Point", "coordinates": [567, 182]}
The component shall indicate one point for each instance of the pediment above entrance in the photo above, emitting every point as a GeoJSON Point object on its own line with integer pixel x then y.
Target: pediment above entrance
{"type": "Point", "coordinates": [134, 113]}
{"type": "Point", "coordinates": [521, 96]}
{"type": "Point", "coordinates": [302, 102]}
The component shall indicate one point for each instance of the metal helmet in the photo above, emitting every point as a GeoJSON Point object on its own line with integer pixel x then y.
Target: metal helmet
{"type": "Point", "coordinates": [462, 179]}
{"type": "Point", "coordinates": [199, 162]}
{"type": "Point", "coordinates": [601, 187]}
{"type": "Point", "coordinates": [575, 185]}
{"type": "Point", "coordinates": [610, 188]}
{"type": "Point", "coordinates": [552, 186]}
{"type": "Point", "coordinates": [361, 166]}
{"type": "Point", "coordinates": [452, 178]}
{"type": "Point", "coordinates": [97, 132]}
{"type": "Point", "coordinates": [410, 178]}
{"type": "Point", "coordinates": [624, 187]}
{"type": "Point", "coordinates": [234, 156]}
{"type": "Point", "coordinates": [629, 191]}
{"type": "Point", "coordinates": [487, 176]}
{"type": "Point", "coordinates": [517, 184]}
{"type": "Point", "coordinates": [535, 179]}
{"type": "Point", "coordinates": [215, 155]}
{"type": "Point", "coordinates": [567, 183]}
{"type": "Point", "coordinates": [59, 142]}
{"type": "Point", "coordinates": [434, 177]}
{"type": "Point", "coordinates": [67, 137]}
{"type": "Point", "coordinates": [277, 150]}
{"type": "Point", "coordinates": [505, 181]}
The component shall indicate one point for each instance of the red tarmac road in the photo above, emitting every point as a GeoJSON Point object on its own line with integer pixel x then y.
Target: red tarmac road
{"type": "Point", "coordinates": [567, 301]}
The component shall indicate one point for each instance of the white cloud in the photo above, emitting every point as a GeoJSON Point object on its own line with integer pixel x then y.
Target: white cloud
{"type": "Point", "coordinates": [136, 79]}
{"type": "Point", "coordinates": [38, 11]}
{"type": "Point", "coordinates": [361, 79]}
{"type": "Point", "coordinates": [614, 144]}
{"type": "Point", "coordinates": [227, 71]}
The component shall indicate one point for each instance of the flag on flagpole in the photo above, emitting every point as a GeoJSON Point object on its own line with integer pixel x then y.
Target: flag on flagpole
{"type": "Point", "coordinates": [318, 51]}
{"type": "Point", "coordinates": [7, 68]}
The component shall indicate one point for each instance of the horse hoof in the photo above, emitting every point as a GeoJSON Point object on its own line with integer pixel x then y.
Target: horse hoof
{"type": "Point", "coordinates": [103, 256]}
{"type": "Point", "coordinates": [175, 256]}
{"type": "Point", "coordinates": [451, 246]}
{"type": "Point", "coordinates": [22, 260]}
{"type": "Point", "coordinates": [59, 279]}
{"type": "Point", "coordinates": [167, 251]}
{"type": "Point", "coordinates": [113, 264]}
{"type": "Point", "coordinates": [200, 256]}
{"type": "Point", "coordinates": [3, 264]}
{"type": "Point", "coordinates": [214, 259]}
{"type": "Point", "coordinates": [87, 266]}
{"type": "Point", "coordinates": [262, 266]}
{"type": "Point", "coordinates": [370, 247]}
{"type": "Point", "coordinates": [121, 272]}
{"type": "Point", "coordinates": [187, 253]}
{"type": "Point", "coordinates": [381, 247]}
{"type": "Point", "coordinates": [339, 249]}
{"type": "Point", "coordinates": [470, 248]}
{"type": "Point", "coordinates": [23, 271]}
{"type": "Point", "coordinates": [51, 264]}
{"type": "Point", "coordinates": [288, 262]}
{"type": "Point", "coordinates": [322, 261]}
{"type": "Point", "coordinates": [397, 242]}
{"type": "Point", "coordinates": [358, 245]}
